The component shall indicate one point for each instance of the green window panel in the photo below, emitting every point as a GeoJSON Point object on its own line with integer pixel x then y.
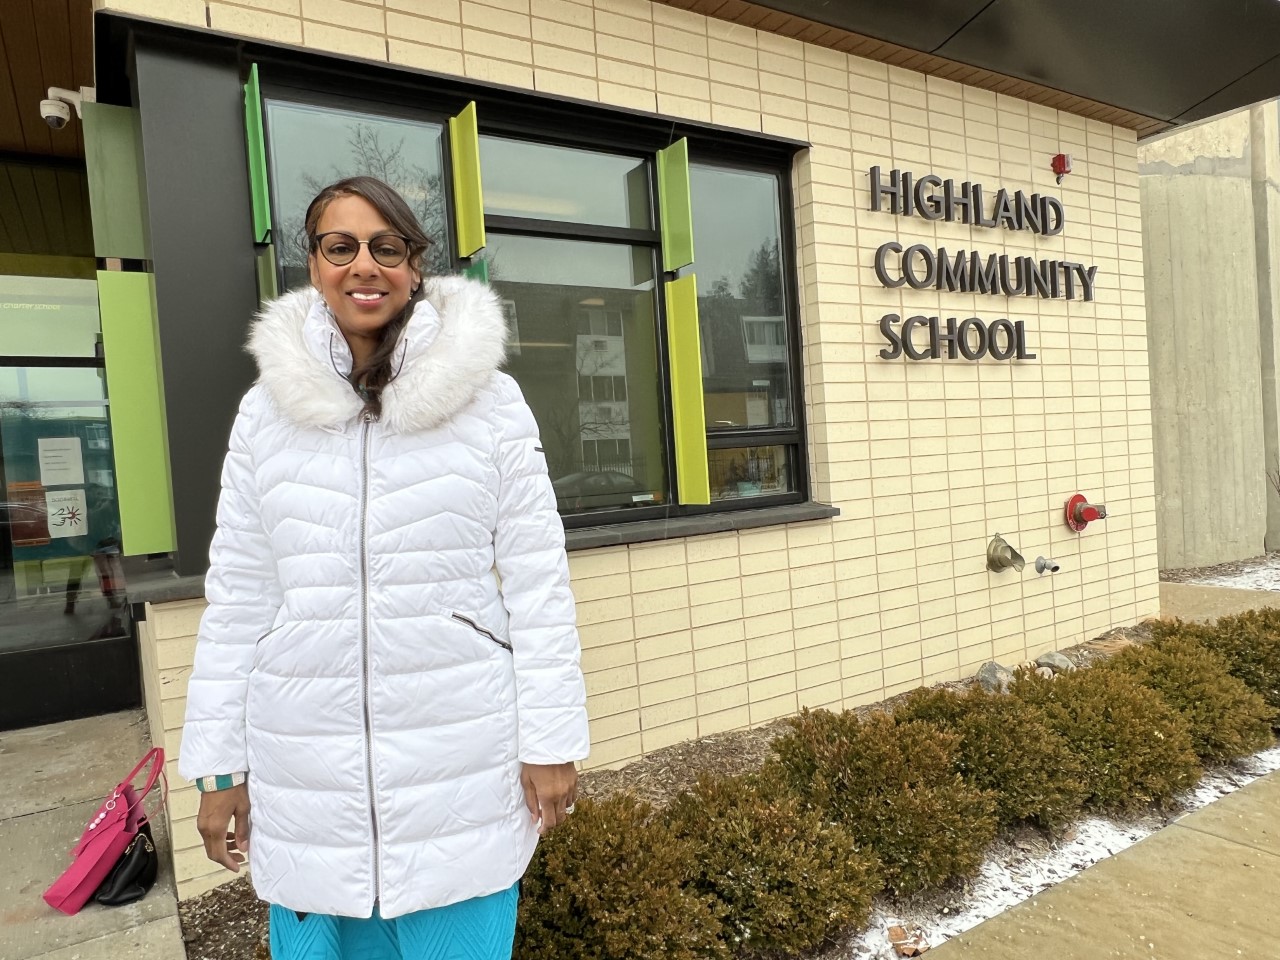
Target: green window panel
{"type": "Point", "coordinates": [117, 190]}
{"type": "Point", "coordinates": [258, 186]}
{"type": "Point", "coordinates": [689, 424]}
{"type": "Point", "coordinates": [131, 345]}
{"type": "Point", "coordinates": [265, 260]}
{"type": "Point", "coordinates": [468, 196]}
{"type": "Point", "coordinates": [676, 207]}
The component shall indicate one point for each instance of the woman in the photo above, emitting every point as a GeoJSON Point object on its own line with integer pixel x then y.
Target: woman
{"type": "Point", "coordinates": [387, 675]}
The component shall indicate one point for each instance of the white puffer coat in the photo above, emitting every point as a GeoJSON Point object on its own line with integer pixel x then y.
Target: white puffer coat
{"type": "Point", "coordinates": [390, 630]}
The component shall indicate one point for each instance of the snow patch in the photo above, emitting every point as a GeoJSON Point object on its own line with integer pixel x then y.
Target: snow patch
{"type": "Point", "coordinates": [1013, 875]}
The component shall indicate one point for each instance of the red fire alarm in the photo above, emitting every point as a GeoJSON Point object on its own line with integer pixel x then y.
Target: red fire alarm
{"type": "Point", "coordinates": [1080, 512]}
{"type": "Point", "coordinates": [1062, 165]}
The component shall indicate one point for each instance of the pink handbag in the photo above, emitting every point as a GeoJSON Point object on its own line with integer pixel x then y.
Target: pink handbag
{"type": "Point", "coordinates": [115, 823]}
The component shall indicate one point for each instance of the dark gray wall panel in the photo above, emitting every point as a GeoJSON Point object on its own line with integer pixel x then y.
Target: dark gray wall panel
{"type": "Point", "coordinates": [198, 199]}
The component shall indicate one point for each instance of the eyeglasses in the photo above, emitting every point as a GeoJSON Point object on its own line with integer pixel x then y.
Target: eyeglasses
{"type": "Point", "coordinates": [340, 249]}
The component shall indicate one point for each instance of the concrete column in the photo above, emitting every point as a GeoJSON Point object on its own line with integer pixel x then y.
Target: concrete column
{"type": "Point", "coordinates": [1264, 147]}
{"type": "Point", "coordinates": [1203, 332]}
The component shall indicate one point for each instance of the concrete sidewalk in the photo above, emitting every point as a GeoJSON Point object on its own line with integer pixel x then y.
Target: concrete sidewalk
{"type": "Point", "coordinates": [1206, 886]}
{"type": "Point", "coordinates": [54, 777]}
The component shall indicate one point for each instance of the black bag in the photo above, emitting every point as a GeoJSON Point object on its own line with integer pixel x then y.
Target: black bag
{"type": "Point", "coordinates": [134, 873]}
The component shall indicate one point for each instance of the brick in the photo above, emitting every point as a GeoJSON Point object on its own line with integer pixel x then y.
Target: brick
{"type": "Point", "coordinates": [190, 12]}
{"type": "Point", "coordinates": [436, 59]}
{"type": "Point", "coordinates": [353, 43]}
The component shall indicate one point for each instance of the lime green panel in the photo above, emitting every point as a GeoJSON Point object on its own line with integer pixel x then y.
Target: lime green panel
{"type": "Point", "coordinates": [477, 270]}
{"type": "Point", "coordinates": [690, 422]}
{"type": "Point", "coordinates": [268, 288]}
{"type": "Point", "coordinates": [134, 388]}
{"type": "Point", "coordinates": [258, 188]}
{"type": "Point", "coordinates": [468, 197]}
{"type": "Point", "coordinates": [676, 206]}
{"type": "Point", "coordinates": [117, 184]}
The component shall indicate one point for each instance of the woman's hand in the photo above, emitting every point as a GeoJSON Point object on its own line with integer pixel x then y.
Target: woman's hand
{"type": "Point", "coordinates": [217, 808]}
{"type": "Point", "coordinates": [549, 789]}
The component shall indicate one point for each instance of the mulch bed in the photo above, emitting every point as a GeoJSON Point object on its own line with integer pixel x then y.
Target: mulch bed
{"type": "Point", "coordinates": [230, 923]}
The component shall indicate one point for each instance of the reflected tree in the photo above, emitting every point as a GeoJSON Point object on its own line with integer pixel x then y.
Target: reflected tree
{"type": "Point", "coordinates": [371, 152]}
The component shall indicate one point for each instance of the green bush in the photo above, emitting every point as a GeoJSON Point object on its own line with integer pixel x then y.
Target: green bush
{"type": "Point", "coordinates": [895, 788]}
{"type": "Point", "coordinates": [610, 884]}
{"type": "Point", "coordinates": [1250, 643]}
{"type": "Point", "coordinates": [1006, 748]}
{"type": "Point", "coordinates": [1133, 747]}
{"type": "Point", "coordinates": [1225, 718]}
{"type": "Point", "coordinates": [790, 883]}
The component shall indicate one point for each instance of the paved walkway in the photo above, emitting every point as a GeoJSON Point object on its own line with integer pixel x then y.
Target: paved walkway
{"type": "Point", "coordinates": [1206, 886]}
{"type": "Point", "coordinates": [53, 778]}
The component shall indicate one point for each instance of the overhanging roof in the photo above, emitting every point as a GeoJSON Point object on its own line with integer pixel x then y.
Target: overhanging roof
{"type": "Point", "coordinates": [1163, 62]}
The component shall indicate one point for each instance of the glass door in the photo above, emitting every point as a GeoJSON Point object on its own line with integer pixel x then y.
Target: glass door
{"type": "Point", "coordinates": [65, 629]}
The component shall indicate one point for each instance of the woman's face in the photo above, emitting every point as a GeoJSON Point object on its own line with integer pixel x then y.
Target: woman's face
{"type": "Point", "coordinates": [363, 294]}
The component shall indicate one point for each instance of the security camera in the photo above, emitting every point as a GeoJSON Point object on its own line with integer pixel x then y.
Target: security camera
{"type": "Point", "coordinates": [56, 110]}
{"type": "Point", "coordinates": [56, 113]}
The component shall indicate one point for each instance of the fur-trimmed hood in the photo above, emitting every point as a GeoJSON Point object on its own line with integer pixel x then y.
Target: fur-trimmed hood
{"type": "Point", "coordinates": [450, 348]}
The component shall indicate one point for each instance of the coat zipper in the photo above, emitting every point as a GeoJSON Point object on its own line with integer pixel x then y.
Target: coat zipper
{"type": "Point", "coordinates": [364, 647]}
{"type": "Point", "coordinates": [482, 631]}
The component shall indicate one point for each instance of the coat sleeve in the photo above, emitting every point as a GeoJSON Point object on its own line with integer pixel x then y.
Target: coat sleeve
{"type": "Point", "coordinates": [243, 592]}
{"type": "Point", "coordinates": [530, 556]}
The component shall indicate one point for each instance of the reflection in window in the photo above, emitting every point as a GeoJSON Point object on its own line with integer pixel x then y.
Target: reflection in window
{"type": "Point", "coordinates": [737, 224]}
{"type": "Point", "coordinates": [44, 317]}
{"type": "Point", "coordinates": [751, 472]}
{"type": "Point", "coordinates": [311, 147]}
{"type": "Point", "coordinates": [588, 365]}
{"type": "Point", "coordinates": [540, 181]}
{"type": "Point", "coordinates": [61, 570]}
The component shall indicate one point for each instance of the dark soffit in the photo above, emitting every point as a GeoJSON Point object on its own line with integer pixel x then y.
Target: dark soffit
{"type": "Point", "coordinates": [1174, 61]}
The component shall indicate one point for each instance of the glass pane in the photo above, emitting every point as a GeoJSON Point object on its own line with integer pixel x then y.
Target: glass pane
{"type": "Point", "coordinates": [751, 471]}
{"type": "Point", "coordinates": [741, 299]}
{"type": "Point", "coordinates": [568, 371]}
{"type": "Point", "coordinates": [42, 317]}
{"type": "Point", "coordinates": [545, 182]}
{"type": "Point", "coordinates": [61, 570]}
{"type": "Point", "coordinates": [311, 147]}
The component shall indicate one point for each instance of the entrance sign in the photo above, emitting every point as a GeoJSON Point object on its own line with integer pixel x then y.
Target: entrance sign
{"type": "Point", "coordinates": [969, 271]}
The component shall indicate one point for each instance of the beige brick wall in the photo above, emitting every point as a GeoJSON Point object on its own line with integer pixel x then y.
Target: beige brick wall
{"type": "Point", "coordinates": [925, 460]}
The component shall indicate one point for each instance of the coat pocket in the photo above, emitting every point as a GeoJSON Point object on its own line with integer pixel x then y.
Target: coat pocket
{"type": "Point", "coordinates": [488, 635]}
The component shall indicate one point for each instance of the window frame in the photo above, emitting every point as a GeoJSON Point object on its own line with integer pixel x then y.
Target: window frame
{"type": "Point", "coordinates": [797, 435]}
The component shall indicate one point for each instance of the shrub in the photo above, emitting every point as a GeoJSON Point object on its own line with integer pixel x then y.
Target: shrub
{"type": "Point", "coordinates": [1006, 748]}
{"type": "Point", "coordinates": [1225, 718]}
{"type": "Point", "coordinates": [895, 788]}
{"type": "Point", "coordinates": [1133, 747]}
{"type": "Point", "coordinates": [610, 885]}
{"type": "Point", "coordinates": [790, 883]}
{"type": "Point", "coordinates": [1250, 643]}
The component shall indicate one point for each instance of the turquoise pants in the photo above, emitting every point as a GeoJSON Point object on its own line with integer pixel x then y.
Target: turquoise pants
{"type": "Point", "coordinates": [479, 929]}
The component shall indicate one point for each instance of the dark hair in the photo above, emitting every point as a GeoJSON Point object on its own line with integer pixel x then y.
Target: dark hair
{"type": "Point", "coordinates": [380, 368]}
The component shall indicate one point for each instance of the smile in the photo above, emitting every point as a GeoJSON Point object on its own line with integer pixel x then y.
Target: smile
{"type": "Point", "coordinates": [367, 297]}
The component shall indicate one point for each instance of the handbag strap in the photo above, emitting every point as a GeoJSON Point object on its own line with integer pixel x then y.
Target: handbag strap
{"type": "Point", "coordinates": [155, 757]}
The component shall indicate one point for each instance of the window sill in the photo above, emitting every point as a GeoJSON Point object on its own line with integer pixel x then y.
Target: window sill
{"type": "Point", "coordinates": [583, 538]}
{"type": "Point", "coordinates": [646, 531]}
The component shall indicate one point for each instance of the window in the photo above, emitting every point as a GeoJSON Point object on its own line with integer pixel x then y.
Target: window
{"type": "Point", "coordinates": [574, 251]}
{"type": "Point", "coordinates": [588, 315]}
{"type": "Point", "coordinates": [749, 377]}
{"type": "Point", "coordinates": [571, 243]}
{"type": "Point", "coordinates": [312, 146]}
